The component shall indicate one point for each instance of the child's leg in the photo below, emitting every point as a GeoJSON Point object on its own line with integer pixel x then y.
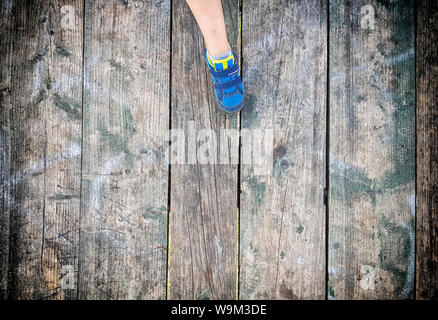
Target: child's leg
{"type": "Point", "coordinates": [210, 18]}
{"type": "Point", "coordinates": [221, 61]}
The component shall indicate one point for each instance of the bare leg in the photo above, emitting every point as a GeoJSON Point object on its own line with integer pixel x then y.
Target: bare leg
{"type": "Point", "coordinates": [210, 18]}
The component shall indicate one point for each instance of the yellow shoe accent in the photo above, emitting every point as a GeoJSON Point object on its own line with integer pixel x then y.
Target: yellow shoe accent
{"type": "Point", "coordinates": [224, 62]}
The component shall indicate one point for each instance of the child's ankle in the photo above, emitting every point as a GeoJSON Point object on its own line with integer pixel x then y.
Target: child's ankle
{"type": "Point", "coordinates": [221, 56]}
{"type": "Point", "coordinates": [218, 50]}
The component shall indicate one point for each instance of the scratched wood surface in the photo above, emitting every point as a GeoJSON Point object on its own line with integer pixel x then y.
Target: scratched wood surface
{"type": "Point", "coordinates": [427, 154]}
{"type": "Point", "coordinates": [372, 150]}
{"type": "Point", "coordinates": [40, 136]}
{"type": "Point", "coordinates": [203, 199]}
{"type": "Point", "coordinates": [124, 197]}
{"type": "Point", "coordinates": [282, 213]}
{"type": "Point", "coordinates": [5, 155]}
{"type": "Point", "coordinates": [89, 201]}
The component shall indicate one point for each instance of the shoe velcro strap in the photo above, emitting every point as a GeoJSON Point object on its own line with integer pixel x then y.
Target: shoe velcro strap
{"type": "Point", "coordinates": [225, 73]}
{"type": "Point", "coordinates": [227, 84]}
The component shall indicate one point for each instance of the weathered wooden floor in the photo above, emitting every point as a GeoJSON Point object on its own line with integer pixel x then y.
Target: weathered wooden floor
{"type": "Point", "coordinates": [90, 209]}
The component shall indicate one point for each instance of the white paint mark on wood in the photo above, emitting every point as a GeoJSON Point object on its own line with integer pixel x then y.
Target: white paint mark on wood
{"type": "Point", "coordinates": [34, 218]}
{"type": "Point", "coordinates": [66, 83]}
{"type": "Point", "coordinates": [412, 202]}
{"type": "Point", "coordinates": [97, 184]}
{"type": "Point", "coordinates": [388, 61]}
{"type": "Point", "coordinates": [399, 58]}
{"type": "Point", "coordinates": [333, 270]}
{"type": "Point", "coordinates": [73, 151]}
{"type": "Point", "coordinates": [409, 283]}
{"type": "Point", "coordinates": [36, 79]}
{"type": "Point", "coordinates": [367, 282]}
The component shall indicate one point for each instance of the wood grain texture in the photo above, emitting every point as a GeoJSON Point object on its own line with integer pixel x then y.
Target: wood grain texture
{"type": "Point", "coordinates": [119, 93]}
{"type": "Point", "coordinates": [41, 139]}
{"type": "Point", "coordinates": [6, 36]}
{"type": "Point", "coordinates": [282, 212]}
{"type": "Point", "coordinates": [203, 217]}
{"type": "Point", "coordinates": [126, 106]}
{"type": "Point", "coordinates": [372, 150]}
{"type": "Point", "coordinates": [427, 150]}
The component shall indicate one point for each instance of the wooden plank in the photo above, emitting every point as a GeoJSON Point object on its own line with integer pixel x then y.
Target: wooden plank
{"type": "Point", "coordinates": [203, 218]}
{"type": "Point", "coordinates": [427, 156]}
{"type": "Point", "coordinates": [6, 26]}
{"type": "Point", "coordinates": [372, 150]}
{"type": "Point", "coordinates": [282, 212]}
{"type": "Point", "coordinates": [126, 105]}
{"type": "Point", "coordinates": [41, 143]}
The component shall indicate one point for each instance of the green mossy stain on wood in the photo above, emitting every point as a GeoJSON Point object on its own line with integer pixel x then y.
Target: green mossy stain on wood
{"type": "Point", "coordinates": [72, 108]}
{"type": "Point", "coordinates": [39, 55]}
{"type": "Point", "coordinates": [128, 122]}
{"type": "Point", "coordinates": [360, 98]}
{"type": "Point", "coordinates": [249, 110]}
{"type": "Point", "coordinates": [120, 143]}
{"type": "Point", "coordinates": [42, 94]}
{"type": "Point", "coordinates": [403, 140]}
{"type": "Point", "coordinates": [346, 181]}
{"type": "Point", "coordinates": [129, 160]}
{"type": "Point", "coordinates": [121, 68]}
{"type": "Point", "coordinates": [331, 292]}
{"type": "Point", "coordinates": [62, 50]}
{"type": "Point", "coordinates": [159, 213]}
{"type": "Point", "coordinates": [125, 3]}
{"type": "Point", "coordinates": [116, 142]}
{"type": "Point", "coordinates": [251, 285]}
{"type": "Point", "coordinates": [203, 295]}
{"type": "Point", "coordinates": [396, 258]}
{"type": "Point", "coordinates": [258, 189]}
{"type": "Point", "coordinates": [259, 192]}
{"type": "Point", "coordinates": [255, 251]}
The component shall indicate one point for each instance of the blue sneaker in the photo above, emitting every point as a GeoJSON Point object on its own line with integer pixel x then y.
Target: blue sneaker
{"type": "Point", "coordinates": [227, 83]}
